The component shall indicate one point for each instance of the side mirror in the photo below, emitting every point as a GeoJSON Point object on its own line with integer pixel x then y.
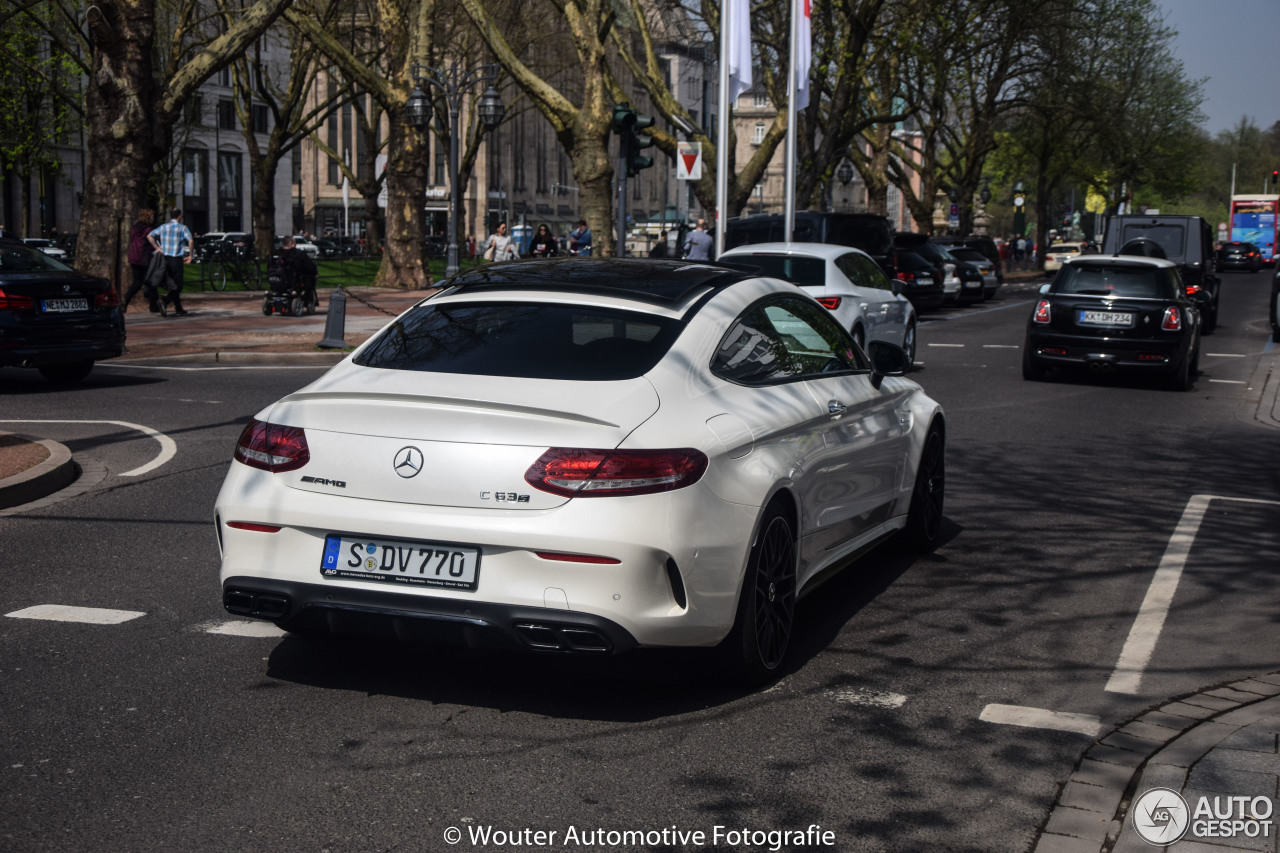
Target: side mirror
{"type": "Point", "coordinates": [1044, 289]}
{"type": "Point", "coordinates": [896, 286]}
{"type": "Point", "coordinates": [886, 360]}
{"type": "Point", "coordinates": [1202, 297]}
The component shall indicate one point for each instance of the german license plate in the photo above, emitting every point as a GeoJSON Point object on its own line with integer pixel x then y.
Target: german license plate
{"type": "Point", "coordinates": [396, 561]}
{"type": "Point", "coordinates": [1105, 318]}
{"type": "Point", "coordinates": [53, 306]}
{"type": "Point", "coordinates": [925, 279]}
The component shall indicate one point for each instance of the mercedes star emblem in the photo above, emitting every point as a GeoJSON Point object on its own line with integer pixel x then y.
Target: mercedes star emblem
{"type": "Point", "coordinates": [408, 462]}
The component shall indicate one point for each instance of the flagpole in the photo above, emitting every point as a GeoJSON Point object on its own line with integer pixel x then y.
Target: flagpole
{"type": "Point", "coordinates": [789, 164]}
{"type": "Point", "coordinates": [722, 129]}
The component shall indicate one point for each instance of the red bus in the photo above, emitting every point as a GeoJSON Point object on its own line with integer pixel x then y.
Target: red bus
{"type": "Point", "coordinates": [1253, 220]}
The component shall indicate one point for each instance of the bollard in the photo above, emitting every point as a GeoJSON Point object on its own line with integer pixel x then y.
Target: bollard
{"type": "Point", "coordinates": [335, 321]}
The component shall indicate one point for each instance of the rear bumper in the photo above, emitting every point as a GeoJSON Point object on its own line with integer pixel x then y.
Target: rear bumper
{"type": "Point", "coordinates": [439, 621]}
{"type": "Point", "coordinates": [86, 345]}
{"type": "Point", "coordinates": [925, 298]}
{"type": "Point", "coordinates": [1057, 350]}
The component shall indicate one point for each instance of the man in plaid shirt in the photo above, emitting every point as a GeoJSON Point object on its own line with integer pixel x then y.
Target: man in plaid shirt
{"type": "Point", "coordinates": [174, 241]}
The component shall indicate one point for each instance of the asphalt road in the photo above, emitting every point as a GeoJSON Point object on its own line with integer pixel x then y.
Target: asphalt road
{"type": "Point", "coordinates": [161, 733]}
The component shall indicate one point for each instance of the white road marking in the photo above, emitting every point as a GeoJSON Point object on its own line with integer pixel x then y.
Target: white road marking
{"type": "Point", "coordinates": [952, 346]}
{"type": "Point", "coordinates": [868, 698]}
{"type": "Point", "coordinates": [1001, 346]}
{"type": "Point", "coordinates": [1228, 381]}
{"type": "Point", "coordinates": [168, 448]}
{"type": "Point", "coordinates": [1039, 718]}
{"type": "Point", "coordinates": [67, 613]}
{"type": "Point", "coordinates": [244, 628]}
{"type": "Point", "coordinates": [1226, 355]}
{"type": "Point", "coordinates": [1141, 643]}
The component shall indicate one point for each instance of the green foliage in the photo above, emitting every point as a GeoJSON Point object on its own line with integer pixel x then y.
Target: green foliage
{"type": "Point", "coordinates": [39, 98]}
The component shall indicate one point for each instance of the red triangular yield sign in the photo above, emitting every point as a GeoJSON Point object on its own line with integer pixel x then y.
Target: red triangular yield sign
{"type": "Point", "coordinates": [690, 160]}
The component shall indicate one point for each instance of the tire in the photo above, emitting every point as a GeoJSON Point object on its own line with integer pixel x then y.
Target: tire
{"type": "Point", "coordinates": [860, 338]}
{"type": "Point", "coordinates": [909, 345]}
{"type": "Point", "coordinates": [220, 277]}
{"type": "Point", "coordinates": [296, 307]}
{"type": "Point", "coordinates": [313, 304]}
{"type": "Point", "coordinates": [1031, 371]}
{"type": "Point", "coordinates": [923, 532]}
{"type": "Point", "coordinates": [1181, 378]}
{"type": "Point", "coordinates": [757, 645]}
{"type": "Point", "coordinates": [68, 373]}
{"type": "Point", "coordinates": [266, 305]}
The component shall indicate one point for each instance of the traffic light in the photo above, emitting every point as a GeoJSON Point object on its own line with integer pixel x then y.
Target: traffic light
{"type": "Point", "coordinates": [627, 123]}
{"type": "Point", "coordinates": [1275, 177]}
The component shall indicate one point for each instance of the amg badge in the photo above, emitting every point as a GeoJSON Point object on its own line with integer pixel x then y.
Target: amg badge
{"type": "Point", "coordinates": [324, 481]}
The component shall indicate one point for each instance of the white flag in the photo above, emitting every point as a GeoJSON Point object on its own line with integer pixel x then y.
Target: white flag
{"type": "Point", "coordinates": [804, 53]}
{"type": "Point", "coordinates": [739, 60]}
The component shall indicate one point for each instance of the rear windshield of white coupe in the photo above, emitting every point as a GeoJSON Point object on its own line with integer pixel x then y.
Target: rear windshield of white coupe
{"type": "Point", "coordinates": [527, 340]}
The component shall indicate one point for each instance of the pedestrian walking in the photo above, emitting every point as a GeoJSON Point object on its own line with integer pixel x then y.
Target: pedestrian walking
{"type": "Point", "coordinates": [544, 243]}
{"type": "Point", "coordinates": [660, 249]}
{"type": "Point", "coordinates": [140, 252]}
{"type": "Point", "coordinates": [500, 246]}
{"type": "Point", "coordinates": [697, 246]}
{"type": "Point", "coordinates": [174, 242]}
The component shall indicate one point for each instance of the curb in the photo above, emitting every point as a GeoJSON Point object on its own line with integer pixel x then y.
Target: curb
{"type": "Point", "coordinates": [1157, 748]}
{"type": "Point", "coordinates": [53, 474]}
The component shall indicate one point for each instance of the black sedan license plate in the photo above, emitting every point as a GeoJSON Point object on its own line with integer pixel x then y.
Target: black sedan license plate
{"type": "Point", "coordinates": [1105, 318]}
{"type": "Point", "coordinates": [57, 306]}
{"type": "Point", "coordinates": [396, 561]}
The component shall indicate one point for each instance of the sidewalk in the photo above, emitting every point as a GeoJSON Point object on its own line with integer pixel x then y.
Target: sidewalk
{"type": "Point", "coordinates": [1216, 744]}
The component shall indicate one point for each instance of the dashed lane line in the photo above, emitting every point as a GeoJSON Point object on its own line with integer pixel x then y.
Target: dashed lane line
{"type": "Point", "coordinates": [243, 628]}
{"type": "Point", "coordinates": [1039, 718]}
{"type": "Point", "coordinates": [67, 613]}
{"type": "Point", "coordinates": [1001, 346]}
{"type": "Point", "coordinates": [1229, 381]}
{"type": "Point", "coordinates": [867, 698]}
{"type": "Point", "coordinates": [1225, 355]}
{"type": "Point", "coordinates": [948, 346]}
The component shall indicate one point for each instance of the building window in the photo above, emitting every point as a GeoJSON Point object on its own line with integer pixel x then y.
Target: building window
{"type": "Point", "coordinates": [193, 113]}
{"type": "Point", "coordinates": [331, 132]}
{"type": "Point", "coordinates": [760, 100]}
{"type": "Point", "coordinates": [195, 164]}
{"type": "Point", "coordinates": [224, 77]}
{"type": "Point", "coordinates": [226, 115]}
{"type": "Point", "coordinates": [442, 164]}
{"type": "Point", "coordinates": [260, 118]}
{"type": "Point", "coordinates": [757, 135]}
{"type": "Point", "coordinates": [228, 175]}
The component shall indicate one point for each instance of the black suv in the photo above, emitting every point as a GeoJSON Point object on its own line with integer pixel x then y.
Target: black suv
{"type": "Point", "coordinates": [866, 231]}
{"type": "Point", "coordinates": [1186, 240]}
{"type": "Point", "coordinates": [986, 245]}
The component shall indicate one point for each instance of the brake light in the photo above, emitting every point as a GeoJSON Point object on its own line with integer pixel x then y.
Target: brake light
{"type": "Point", "coordinates": [831, 303]}
{"type": "Point", "coordinates": [1193, 289]}
{"type": "Point", "coordinates": [1042, 312]}
{"type": "Point", "coordinates": [14, 302]}
{"type": "Point", "coordinates": [1172, 321]}
{"type": "Point", "coordinates": [272, 447]}
{"type": "Point", "coordinates": [108, 299]}
{"type": "Point", "coordinates": [573, 472]}
{"type": "Point", "coordinates": [908, 277]}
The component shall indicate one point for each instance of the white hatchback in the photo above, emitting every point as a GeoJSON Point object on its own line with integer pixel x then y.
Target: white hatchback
{"type": "Point", "coordinates": [845, 281]}
{"type": "Point", "coordinates": [582, 456]}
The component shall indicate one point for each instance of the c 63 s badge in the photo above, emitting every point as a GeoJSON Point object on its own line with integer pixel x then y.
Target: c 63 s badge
{"type": "Point", "coordinates": [512, 497]}
{"type": "Point", "coordinates": [325, 481]}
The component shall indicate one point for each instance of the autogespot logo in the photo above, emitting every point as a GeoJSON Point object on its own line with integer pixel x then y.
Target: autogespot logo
{"type": "Point", "coordinates": [1160, 816]}
{"type": "Point", "coordinates": [408, 462]}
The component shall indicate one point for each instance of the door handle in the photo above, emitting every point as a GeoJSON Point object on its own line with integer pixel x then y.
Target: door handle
{"type": "Point", "coordinates": [835, 407]}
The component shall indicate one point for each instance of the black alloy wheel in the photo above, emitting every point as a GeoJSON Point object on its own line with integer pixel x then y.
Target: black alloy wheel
{"type": "Point", "coordinates": [923, 532]}
{"type": "Point", "coordinates": [766, 607]}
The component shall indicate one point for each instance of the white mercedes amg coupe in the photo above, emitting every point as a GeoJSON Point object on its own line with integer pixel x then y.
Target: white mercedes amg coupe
{"type": "Point", "coordinates": [583, 456]}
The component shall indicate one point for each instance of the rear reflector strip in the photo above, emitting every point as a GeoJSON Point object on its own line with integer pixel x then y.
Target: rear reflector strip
{"type": "Point", "coordinates": [577, 558]}
{"type": "Point", "coordinates": [255, 527]}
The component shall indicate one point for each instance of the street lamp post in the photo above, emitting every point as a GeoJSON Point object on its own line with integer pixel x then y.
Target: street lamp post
{"type": "Point", "coordinates": [454, 82]}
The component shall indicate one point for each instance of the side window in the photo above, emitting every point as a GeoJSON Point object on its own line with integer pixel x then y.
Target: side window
{"type": "Point", "coordinates": [848, 264]}
{"type": "Point", "coordinates": [872, 275]}
{"type": "Point", "coordinates": [782, 339]}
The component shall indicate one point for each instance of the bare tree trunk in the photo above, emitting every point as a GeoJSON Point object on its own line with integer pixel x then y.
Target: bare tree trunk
{"type": "Point", "coordinates": [264, 207]}
{"type": "Point", "coordinates": [406, 191]}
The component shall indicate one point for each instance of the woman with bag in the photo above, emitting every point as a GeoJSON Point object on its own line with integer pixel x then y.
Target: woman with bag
{"type": "Point", "coordinates": [544, 245]}
{"type": "Point", "coordinates": [499, 246]}
{"type": "Point", "coordinates": [140, 252]}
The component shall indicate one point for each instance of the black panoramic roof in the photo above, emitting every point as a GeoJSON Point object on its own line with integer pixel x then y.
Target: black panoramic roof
{"type": "Point", "coordinates": [655, 281]}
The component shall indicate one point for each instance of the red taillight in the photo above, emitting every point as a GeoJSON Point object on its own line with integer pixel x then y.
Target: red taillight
{"type": "Point", "coordinates": [1172, 321]}
{"type": "Point", "coordinates": [254, 526]}
{"type": "Point", "coordinates": [14, 302]}
{"type": "Point", "coordinates": [831, 303]}
{"type": "Point", "coordinates": [108, 299]}
{"type": "Point", "coordinates": [1042, 311]}
{"type": "Point", "coordinates": [1193, 289]}
{"type": "Point", "coordinates": [272, 447]}
{"type": "Point", "coordinates": [573, 472]}
{"type": "Point", "coordinates": [908, 277]}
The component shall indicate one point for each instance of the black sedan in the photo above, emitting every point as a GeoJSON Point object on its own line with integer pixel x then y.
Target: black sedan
{"type": "Point", "coordinates": [1238, 256]}
{"type": "Point", "coordinates": [54, 318]}
{"type": "Point", "coordinates": [921, 283]}
{"type": "Point", "coordinates": [1111, 313]}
